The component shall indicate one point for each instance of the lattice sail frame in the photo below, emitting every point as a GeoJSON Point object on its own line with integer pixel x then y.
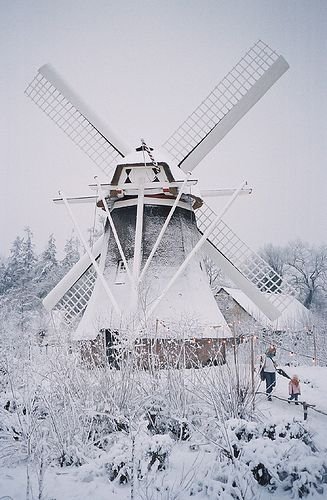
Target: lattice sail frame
{"type": "Point", "coordinates": [71, 295]}
{"type": "Point", "coordinates": [237, 92]}
{"type": "Point", "coordinates": [60, 104]}
{"type": "Point", "coordinates": [255, 269]}
{"type": "Point", "coordinates": [73, 303]}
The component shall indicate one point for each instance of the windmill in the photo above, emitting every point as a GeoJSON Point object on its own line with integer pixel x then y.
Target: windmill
{"type": "Point", "coordinates": [147, 268]}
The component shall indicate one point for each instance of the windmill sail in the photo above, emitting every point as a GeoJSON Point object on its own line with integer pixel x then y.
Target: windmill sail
{"type": "Point", "coordinates": [244, 267]}
{"type": "Point", "coordinates": [242, 87]}
{"type": "Point", "coordinates": [52, 95]}
{"type": "Point", "coordinates": [229, 101]}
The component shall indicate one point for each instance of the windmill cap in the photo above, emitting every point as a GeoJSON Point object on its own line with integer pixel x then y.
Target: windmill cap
{"type": "Point", "coordinates": [160, 156]}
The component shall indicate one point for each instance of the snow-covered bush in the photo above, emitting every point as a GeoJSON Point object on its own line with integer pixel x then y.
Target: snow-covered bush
{"type": "Point", "coordinates": [158, 449]}
{"type": "Point", "coordinates": [281, 456]}
{"type": "Point", "coordinates": [226, 391]}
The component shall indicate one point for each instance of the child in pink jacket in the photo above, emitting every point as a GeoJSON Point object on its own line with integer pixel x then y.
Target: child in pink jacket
{"type": "Point", "coordinates": [294, 388]}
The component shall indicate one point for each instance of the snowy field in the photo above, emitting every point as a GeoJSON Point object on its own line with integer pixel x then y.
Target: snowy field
{"type": "Point", "coordinates": [269, 453]}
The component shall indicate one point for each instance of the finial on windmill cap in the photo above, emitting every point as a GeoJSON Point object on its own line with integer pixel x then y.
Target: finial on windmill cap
{"type": "Point", "coordinates": [144, 146]}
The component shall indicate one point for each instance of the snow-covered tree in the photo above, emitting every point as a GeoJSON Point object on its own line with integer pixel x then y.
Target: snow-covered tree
{"type": "Point", "coordinates": [49, 256]}
{"type": "Point", "coordinates": [48, 271]}
{"type": "Point", "coordinates": [216, 277]}
{"type": "Point", "coordinates": [15, 264]}
{"type": "Point", "coordinates": [19, 287]}
{"type": "Point", "coordinates": [305, 267]}
{"type": "Point", "coordinates": [29, 257]}
{"type": "Point", "coordinates": [2, 276]}
{"type": "Point", "coordinates": [276, 257]}
{"type": "Point", "coordinates": [72, 254]}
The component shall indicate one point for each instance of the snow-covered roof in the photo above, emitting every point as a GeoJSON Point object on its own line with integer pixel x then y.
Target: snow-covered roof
{"type": "Point", "coordinates": [295, 316]}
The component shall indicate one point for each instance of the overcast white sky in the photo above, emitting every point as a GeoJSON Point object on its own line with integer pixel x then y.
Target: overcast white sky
{"type": "Point", "coordinates": [143, 66]}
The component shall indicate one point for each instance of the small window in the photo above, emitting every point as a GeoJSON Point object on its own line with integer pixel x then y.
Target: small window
{"type": "Point", "coordinates": [121, 273]}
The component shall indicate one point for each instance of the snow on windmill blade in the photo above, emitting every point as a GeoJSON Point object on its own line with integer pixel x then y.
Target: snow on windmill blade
{"type": "Point", "coordinates": [62, 105]}
{"type": "Point", "coordinates": [222, 109]}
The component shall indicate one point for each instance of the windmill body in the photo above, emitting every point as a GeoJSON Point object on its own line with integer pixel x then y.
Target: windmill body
{"type": "Point", "coordinates": [190, 297]}
{"type": "Point", "coordinates": [147, 268]}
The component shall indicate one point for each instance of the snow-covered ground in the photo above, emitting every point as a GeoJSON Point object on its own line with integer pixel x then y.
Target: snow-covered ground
{"type": "Point", "coordinates": [198, 467]}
